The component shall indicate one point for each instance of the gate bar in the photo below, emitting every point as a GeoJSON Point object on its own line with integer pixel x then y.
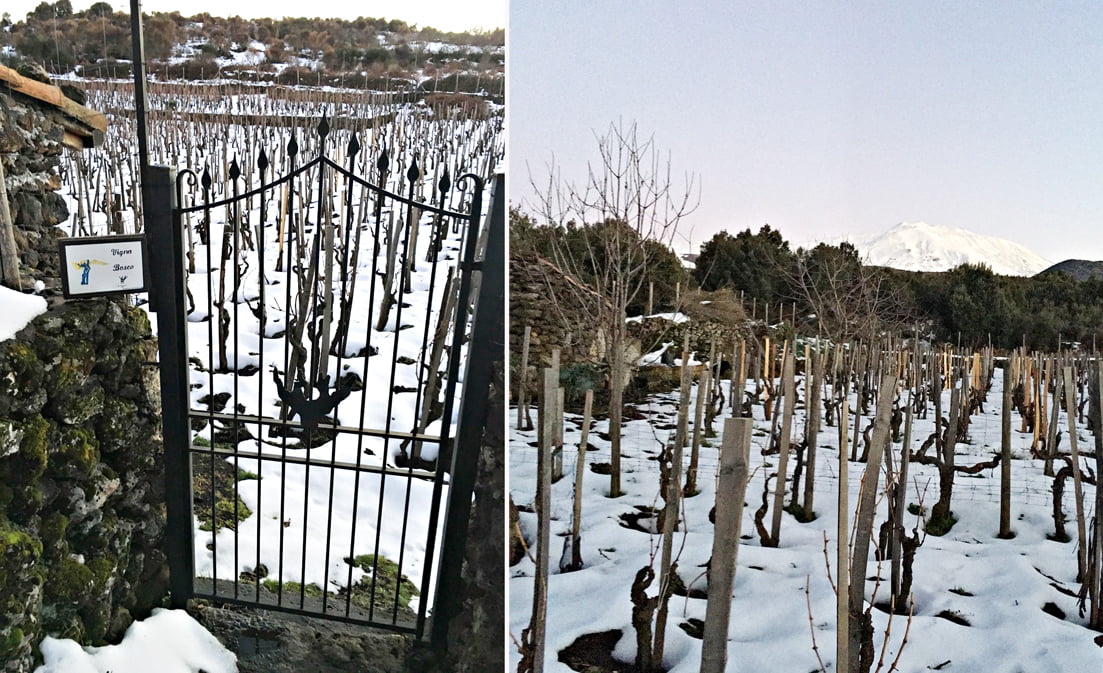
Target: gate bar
{"type": "Point", "coordinates": [166, 256]}
{"type": "Point", "coordinates": [486, 348]}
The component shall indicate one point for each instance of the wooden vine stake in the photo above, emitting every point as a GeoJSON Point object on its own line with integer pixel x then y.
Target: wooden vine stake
{"type": "Point", "coordinates": [812, 409]}
{"type": "Point", "coordinates": [725, 542]}
{"type": "Point", "coordinates": [555, 414]}
{"type": "Point", "coordinates": [522, 386]}
{"type": "Point", "coordinates": [788, 393]}
{"type": "Point", "coordinates": [698, 417]}
{"type": "Point", "coordinates": [534, 638]}
{"type": "Point", "coordinates": [842, 558]}
{"type": "Point", "coordinates": [1005, 457]}
{"type": "Point", "coordinates": [579, 472]}
{"type": "Point", "coordinates": [9, 260]}
{"type": "Point", "coordinates": [1094, 578]}
{"type": "Point", "coordinates": [739, 379]}
{"type": "Point", "coordinates": [681, 434]}
{"type": "Point", "coordinates": [1078, 488]}
{"type": "Point", "coordinates": [667, 567]}
{"type": "Point", "coordinates": [860, 627]}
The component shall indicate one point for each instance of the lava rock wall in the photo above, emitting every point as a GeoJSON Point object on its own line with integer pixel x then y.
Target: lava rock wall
{"type": "Point", "coordinates": [81, 479]}
{"type": "Point", "coordinates": [30, 150]}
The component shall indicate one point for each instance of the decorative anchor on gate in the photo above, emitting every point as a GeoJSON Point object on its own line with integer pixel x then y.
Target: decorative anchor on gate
{"type": "Point", "coordinates": [310, 410]}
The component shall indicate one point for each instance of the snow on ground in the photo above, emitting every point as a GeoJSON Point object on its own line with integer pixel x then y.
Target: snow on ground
{"type": "Point", "coordinates": [676, 318]}
{"type": "Point", "coordinates": [16, 310]}
{"type": "Point", "coordinates": [169, 641]}
{"type": "Point", "coordinates": [998, 586]}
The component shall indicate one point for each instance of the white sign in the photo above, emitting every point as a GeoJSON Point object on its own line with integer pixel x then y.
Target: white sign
{"type": "Point", "coordinates": [92, 267]}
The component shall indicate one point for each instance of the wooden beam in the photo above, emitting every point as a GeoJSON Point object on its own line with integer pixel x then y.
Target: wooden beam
{"type": "Point", "coordinates": [52, 95]}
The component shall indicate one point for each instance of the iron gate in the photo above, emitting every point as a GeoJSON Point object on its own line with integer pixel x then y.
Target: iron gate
{"type": "Point", "coordinates": [312, 328]}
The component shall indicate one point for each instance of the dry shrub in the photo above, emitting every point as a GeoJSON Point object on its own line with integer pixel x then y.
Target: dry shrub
{"type": "Point", "coordinates": [720, 306]}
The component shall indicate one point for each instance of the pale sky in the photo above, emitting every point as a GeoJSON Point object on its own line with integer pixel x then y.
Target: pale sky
{"type": "Point", "coordinates": [447, 16]}
{"type": "Point", "coordinates": [835, 118]}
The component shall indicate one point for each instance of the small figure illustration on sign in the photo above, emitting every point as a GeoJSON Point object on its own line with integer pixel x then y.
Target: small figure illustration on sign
{"type": "Point", "coordinates": [86, 268]}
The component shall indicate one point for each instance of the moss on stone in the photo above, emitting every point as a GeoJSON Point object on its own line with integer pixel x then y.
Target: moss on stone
{"type": "Point", "coordinates": [227, 514]}
{"type": "Point", "coordinates": [312, 590]}
{"type": "Point", "coordinates": [19, 553]}
{"type": "Point", "coordinates": [74, 367]}
{"type": "Point", "coordinates": [103, 569]}
{"type": "Point", "coordinates": [218, 490]}
{"type": "Point", "coordinates": [80, 448]}
{"type": "Point", "coordinates": [69, 580]}
{"type": "Point", "coordinates": [387, 581]}
{"type": "Point", "coordinates": [33, 448]}
{"type": "Point", "coordinates": [52, 533]}
{"type": "Point", "coordinates": [10, 642]}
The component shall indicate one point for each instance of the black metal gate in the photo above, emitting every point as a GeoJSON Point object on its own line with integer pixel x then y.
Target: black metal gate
{"type": "Point", "coordinates": [312, 328]}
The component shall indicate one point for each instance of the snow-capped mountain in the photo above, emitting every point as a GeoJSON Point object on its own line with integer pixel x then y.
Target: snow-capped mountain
{"type": "Point", "coordinates": [918, 246]}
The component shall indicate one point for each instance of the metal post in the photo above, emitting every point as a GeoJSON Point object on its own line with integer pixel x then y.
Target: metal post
{"type": "Point", "coordinates": [138, 69]}
{"type": "Point", "coordinates": [487, 347]}
{"type": "Point", "coordinates": [166, 255]}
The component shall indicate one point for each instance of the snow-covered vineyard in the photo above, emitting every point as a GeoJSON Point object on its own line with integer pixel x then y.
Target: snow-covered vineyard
{"type": "Point", "coordinates": [977, 601]}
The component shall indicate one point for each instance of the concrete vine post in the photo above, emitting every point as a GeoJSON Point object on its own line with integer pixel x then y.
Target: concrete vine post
{"type": "Point", "coordinates": [725, 542]}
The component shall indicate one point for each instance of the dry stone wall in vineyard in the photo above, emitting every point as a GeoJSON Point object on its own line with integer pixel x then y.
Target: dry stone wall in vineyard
{"type": "Point", "coordinates": [81, 472]}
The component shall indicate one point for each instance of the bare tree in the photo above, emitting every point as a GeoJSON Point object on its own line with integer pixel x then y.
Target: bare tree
{"type": "Point", "coordinates": [851, 300]}
{"type": "Point", "coordinates": [628, 199]}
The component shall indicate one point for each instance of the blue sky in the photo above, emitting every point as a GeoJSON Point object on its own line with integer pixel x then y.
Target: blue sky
{"type": "Point", "coordinates": [829, 119]}
{"type": "Point", "coordinates": [448, 16]}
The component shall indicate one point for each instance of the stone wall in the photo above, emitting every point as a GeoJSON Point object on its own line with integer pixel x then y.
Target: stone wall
{"type": "Point", "coordinates": [81, 474]}
{"type": "Point", "coordinates": [31, 146]}
{"type": "Point", "coordinates": [534, 285]}
{"type": "Point", "coordinates": [81, 479]}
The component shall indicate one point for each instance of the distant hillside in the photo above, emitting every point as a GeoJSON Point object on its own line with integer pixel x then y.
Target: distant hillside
{"type": "Point", "coordinates": [365, 52]}
{"type": "Point", "coordinates": [1080, 269]}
